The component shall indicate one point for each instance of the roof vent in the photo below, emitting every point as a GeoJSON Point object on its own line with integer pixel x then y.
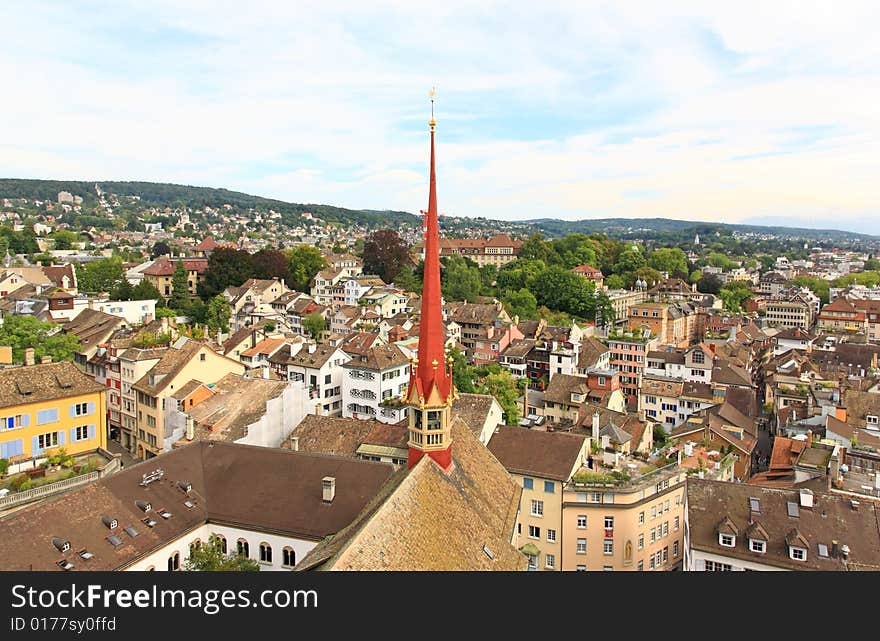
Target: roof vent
{"type": "Point", "coordinates": [62, 545]}
{"type": "Point", "coordinates": [186, 486]}
{"type": "Point", "coordinates": [148, 522]}
{"type": "Point", "coordinates": [151, 477]}
{"type": "Point", "coordinates": [844, 550]}
{"type": "Point", "coordinates": [854, 504]}
{"type": "Point", "coordinates": [144, 506]}
{"type": "Point", "coordinates": [165, 514]}
{"type": "Point", "coordinates": [64, 564]}
{"type": "Point", "coordinates": [85, 554]}
{"type": "Point", "coordinates": [109, 522]}
{"type": "Point", "coordinates": [488, 552]}
{"type": "Point", "coordinates": [114, 540]}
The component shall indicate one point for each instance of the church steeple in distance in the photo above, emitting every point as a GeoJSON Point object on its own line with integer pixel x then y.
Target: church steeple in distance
{"type": "Point", "coordinates": [430, 392]}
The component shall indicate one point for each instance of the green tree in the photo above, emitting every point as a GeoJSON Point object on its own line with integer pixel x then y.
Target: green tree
{"type": "Point", "coordinates": [733, 294]}
{"type": "Point", "coordinates": [179, 298]}
{"type": "Point", "coordinates": [615, 281]}
{"type": "Point", "coordinates": [145, 290]}
{"type": "Point", "coordinates": [21, 332]}
{"type": "Point", "coordinates": [535, 248]}
{"type": "Point", "coordinates": [64, 239]}
{"type": "Point", "coordinates": [461, 279]}
{"type": "Point", "coordinates": [160, 248]}
{"type": "Point", "coordinates": [314, 324]}
{"type": "Point", "coordinates": [100, 275]}
{"type": "Point", "coordinates": [503, 387]}
{"type": "Point", "coordinates": [209, 557]}
{"type": "Point", "coordinates": [218, 314]}
{"type": "Point", "coordinates": [522, 303]}
{"type": "Point", "coordinates": [385, 254]}
{"type": "Point", "coordinates": [629, 261]}
{"type": "Point", "coordinates": [305, 261]}
{"type": "Point", "coordinates": [819, 286]}
{"type": "Point", "coordinates": [409, 280]}
{"type": "Point", "coordinates": [669, 259]}
{"type": "Point", "coordinates": [563, 290]}
{"type": "Point", "coordinates": [462, 373]}
{"type": "Point", "coordinates": [123, 291]}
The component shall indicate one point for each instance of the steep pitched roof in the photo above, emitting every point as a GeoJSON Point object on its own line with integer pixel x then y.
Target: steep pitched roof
{"type": "Point", "coordinates": [44, 382]}
{"type": "Point", "coordinates": [427, 519]}
{"type": "Point", "coordinates": [550, 455]}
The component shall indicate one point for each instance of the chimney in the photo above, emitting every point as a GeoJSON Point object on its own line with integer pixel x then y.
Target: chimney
{"type": "Point", "coordinates": [595, 434]}
{"type": "Point", "coordinates": [190, 428]}
{"type": "Point", "coordinates": [294, 443]}
{"type": "Point", "coordinates": [809, 437]}
{"type": "Point", "coordinates": [312, 348]}
{"type": "Point", "coordinates": [45, 359]}
{"type": "Point", "coordinates": [844, 551]}
{"type": "Point", "coordinates": [29, 356]}
{"type": "Point", "coordinates": [328, 485]}
{"type": "Point", "coordinates": [834, 549]}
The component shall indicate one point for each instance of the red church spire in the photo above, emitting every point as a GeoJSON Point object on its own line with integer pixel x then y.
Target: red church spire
{"type": "Point", "coordinates": [430, 383]}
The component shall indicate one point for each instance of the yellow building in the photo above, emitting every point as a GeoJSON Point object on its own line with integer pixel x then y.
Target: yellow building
{"type": "Point", "coordinates": [541, 463]}
{"type": "Point", "coordinates": [183, 362]}
{"type": "Point", "coordinates": [619, 524]}
{"type": "Point", "coordinates": [49, 406]}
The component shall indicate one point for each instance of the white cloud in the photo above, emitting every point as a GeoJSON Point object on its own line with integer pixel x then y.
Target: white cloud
{"type": "Point", "coordinates": [735, 111]}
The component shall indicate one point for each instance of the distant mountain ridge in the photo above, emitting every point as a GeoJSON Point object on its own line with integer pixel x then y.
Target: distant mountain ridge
{"type": "Point", "coordinates": [170, 194]}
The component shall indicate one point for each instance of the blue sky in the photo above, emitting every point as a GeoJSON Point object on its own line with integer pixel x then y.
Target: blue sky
{"type": "Point", "coordinates": [741, 112]}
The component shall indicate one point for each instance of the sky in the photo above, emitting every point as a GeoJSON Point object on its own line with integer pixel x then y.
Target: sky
{"type": "Point", "coordinates": [750, 111]}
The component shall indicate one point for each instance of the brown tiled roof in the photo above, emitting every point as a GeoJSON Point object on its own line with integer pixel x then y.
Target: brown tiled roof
{"type": "Point", "coordinates": [561, 386]}
{"type": "Point", "coordinates": [550, 455]}
{"type": "Point", "coordinates": [331, 434]}
{"type": "Point", "coordinates": [360, 342]}
{"type": "Point", "coordinates": [389, 435]}
{"type": "Point", "coordinates": [519, 348]}
{"type": "Point", "coordinates": [164, 266]}
{"type": "Point", "coordinates": [172, 361]}
{"type": "Point", "coordinates": [473, 409]}
{"type": "Point", "coordinates": [56, 274]}
{"type": "Point", "coordinates": [590, 352]}
{"type": "Point", "coordinates": [44, 382]}
{"type": "Point", "coordinates": [859, 405]}
{"type": "Point", "coordinates": [675, 356]}
{"type": "Point", "coordinates": [661, 386]}
{"type": "Point", "coordinates": [428, 519]}
{"type": "Point", "coordinates": [474, 313]}
{"type": "Point", "coordinates": [848, 431]}
{"type": "Point", "coordinates": [207, 244]}
{"type": "Point", "coordinates": [243, 334]}
{"type": "Point", "coordinates": [831, 519]}
{"type": "Point", "coordinates": [742, 399]}
{"type": "Point", "coordinates": [93, 327]}
{"type": "Point", "coordinates": [303, 358]}
{"type": "Point", "coordinates": [265, 346]}
{"type": "Point", "coordinates": [702, 391]}
{"type": "Point", "coordinates": [256, 488]}
{"type": "Point", "coordinates": [378, 358]}
{"type": "Point", "coordinates": [529, 328]}
{"type": "Point", "coordinates": [187, 389]}
{"type": "Point", "coordinates": [729, 374]}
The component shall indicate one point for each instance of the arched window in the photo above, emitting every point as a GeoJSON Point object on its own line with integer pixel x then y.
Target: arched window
{"type": "Point", "coordinates": [221, 541]}
{"type": "Point", "coordinates": [265, 553]}
{"type": "Point", "coordinates": [195, 545]}
{"type": "Point", "coordinates": [288, 559]}
{"type": "Point", "coordinates": [174, 562]}
{"type": "Point", "coordinates": [243, 548]}
{"type": "Point", "coordinates": [628, 552]}
{"type": "Point", "coordinates": [152, 568]}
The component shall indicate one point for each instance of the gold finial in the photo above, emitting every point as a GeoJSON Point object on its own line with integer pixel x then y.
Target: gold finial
{"type": "Point", "coordinates": [432, 122]}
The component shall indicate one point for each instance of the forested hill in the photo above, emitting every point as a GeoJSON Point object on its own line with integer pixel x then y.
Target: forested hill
{"type": "Point", "coordinates": [658, 227]}
{"type": "Point", "coordinates": [171, 195]}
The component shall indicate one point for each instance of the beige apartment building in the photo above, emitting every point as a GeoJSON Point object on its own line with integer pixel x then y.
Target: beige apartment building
{"type": "Point", "coordinates": [541, 463]}
{"type": "Point", "coordinates": [134, 363]}
{"type": "Point", "coordinates": [617, 525]}
{"type": "Point", "coordinates": [183, 362]}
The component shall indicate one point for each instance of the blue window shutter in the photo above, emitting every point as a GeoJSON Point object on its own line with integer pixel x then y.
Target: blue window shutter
{"type": "Point", "coordinates": [35, 447]}
{"type": "Point", "coordinates": [25, 420]}
{"type": "Point", "coordinates": [72, 411]}
{"type": "Point", "coordinates": [91, 408]}
{"type": "Point", "coordinates": [16, 448]}
{"type": "Point", "coordinates": [10, 422]}
{"type": "Point", "coordinates": [549, 487]}
{"type": "Point", "coordinates": [61, 437]}
{"type": "Point", "coordinates": [73, 435]}
{"type": "Point", "coordinates": [4, 450]}
{"type": "Point", "coordinates": [91, 431]}
{"type": "Point", "coordinates": [53, 415]}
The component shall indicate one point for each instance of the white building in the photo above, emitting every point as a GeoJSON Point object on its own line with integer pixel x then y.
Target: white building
{"type": "Point", "coordinates": [319, 367]}
{"type": "Point", "coordinates": [372, 380]}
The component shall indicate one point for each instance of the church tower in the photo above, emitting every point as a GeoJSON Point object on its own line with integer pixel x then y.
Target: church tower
{"type": "Point", "coordinates": [430, 392]}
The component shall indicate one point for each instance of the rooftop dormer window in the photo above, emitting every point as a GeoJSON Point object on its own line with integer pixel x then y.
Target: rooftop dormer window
{"type": "Point", "coordinates": [756, 545]}
{"type": "Point", "coordinates": [797, 554]}
{"type": "Point", "coordinates": [727, 540]}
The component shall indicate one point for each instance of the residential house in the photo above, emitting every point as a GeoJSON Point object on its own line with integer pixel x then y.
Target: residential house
{"type": "Point", "coordinates": [317, 366]}
{"type": "Point", "coordinates": [162, 270]}
{"type": "Point", "coordinates": [542, 463]}
{"type": "Point", "coordinates": [739, 527]}
{"type": "Point", "coordinates": [373, 383]}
